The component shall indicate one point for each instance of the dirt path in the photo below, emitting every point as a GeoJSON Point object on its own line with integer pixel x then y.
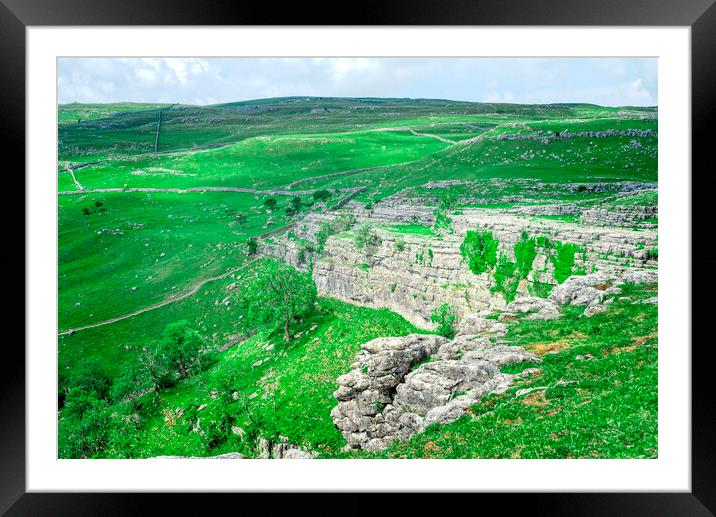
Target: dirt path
{"type": "Point", "coordinates": [437, 137]}
{"type": "Point", "coordinates": [343, 173]}
{"type": "Point", "coordinates": [173, 299]}
{"type": "Point", "coordinates": [352, 192]}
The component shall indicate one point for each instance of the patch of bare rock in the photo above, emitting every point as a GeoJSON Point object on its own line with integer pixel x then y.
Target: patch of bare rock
{"type": "Point", "coordinates": [282, 450]}
{"type": "Point", "coordinates": [392, 392]}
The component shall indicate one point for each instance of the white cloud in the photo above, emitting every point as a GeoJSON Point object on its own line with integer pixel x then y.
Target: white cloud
{"type": "Point", "coordinates": [612, 81]}
{"type": "Point", "coordinates": [500, 97]}
{"type": "Point", "coordinates": [635, 93]}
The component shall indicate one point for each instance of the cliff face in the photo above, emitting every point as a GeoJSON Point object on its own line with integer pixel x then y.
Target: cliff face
{"type": "Point", "coordinates": [413, 273]}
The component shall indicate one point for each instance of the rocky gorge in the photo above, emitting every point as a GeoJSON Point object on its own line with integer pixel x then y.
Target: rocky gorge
{"type": "Point", "coordinates": [488, 265]}
{"type": "Point", "coordinates": [413, 274]}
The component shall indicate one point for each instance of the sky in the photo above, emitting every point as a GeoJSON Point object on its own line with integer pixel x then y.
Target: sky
{"type": "Point", "coordinates": [604, 81]}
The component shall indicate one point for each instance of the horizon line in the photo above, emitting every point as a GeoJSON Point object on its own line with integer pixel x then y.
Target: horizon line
{"type": "Point", "coordinates": [310, 97]}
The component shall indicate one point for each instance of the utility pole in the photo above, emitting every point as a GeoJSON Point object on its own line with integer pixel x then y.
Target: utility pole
{"type": "Point", "coordinates": [159, 127]}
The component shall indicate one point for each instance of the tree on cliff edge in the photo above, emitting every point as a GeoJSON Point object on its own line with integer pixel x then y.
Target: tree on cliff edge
{"type": "Point", "coordinates": [274, 294]}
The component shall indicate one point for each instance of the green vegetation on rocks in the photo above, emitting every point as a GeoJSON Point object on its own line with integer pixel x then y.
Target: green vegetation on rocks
{"type": "Point", "coordinates": [480, 251]}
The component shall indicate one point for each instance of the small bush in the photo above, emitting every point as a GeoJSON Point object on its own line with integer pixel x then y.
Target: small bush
{"type": "Point", "coordinates": [296, 203]}
{"type": "Point", "coordinates": [366, 237]}
{"type": "Point", "coordinates": [321, 195]}
{"type": "Point", "coordinates": [444, 316]}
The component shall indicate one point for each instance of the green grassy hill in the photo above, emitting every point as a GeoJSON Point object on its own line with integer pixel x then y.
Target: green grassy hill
{"type": "Point", "coordinates": [124, 251]}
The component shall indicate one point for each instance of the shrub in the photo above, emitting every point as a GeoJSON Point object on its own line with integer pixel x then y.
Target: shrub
{"type": "Point", "coordinates": [270, 203]}
{"type": "Point", "coordinates": [444, 317]}
{"type": "Point", "coordinates": [321, 195]}
{"type": "Point", "coordinates": [525, 253]}
{"type": "Point", "coordinates": [322, 235]}
{"type": "Point", "coordinates": [506, 281]}
{"type": "Point", "coordinates": [563, 260]}
{"type": "Point", "coordinates": [366, 237]}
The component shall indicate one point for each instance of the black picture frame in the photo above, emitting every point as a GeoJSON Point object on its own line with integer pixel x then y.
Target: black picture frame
{"type": "Point", "coordinates": [700, 15]}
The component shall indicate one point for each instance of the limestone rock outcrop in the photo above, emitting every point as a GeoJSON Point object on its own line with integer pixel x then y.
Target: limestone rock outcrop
{"type": "Point", "coordinates": [392, 394]}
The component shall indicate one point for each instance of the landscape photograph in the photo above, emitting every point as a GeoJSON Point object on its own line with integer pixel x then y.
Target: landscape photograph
{"type": "Point", "coordinates": [357, 258]}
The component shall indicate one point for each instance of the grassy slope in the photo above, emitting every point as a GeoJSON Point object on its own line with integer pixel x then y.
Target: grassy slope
{"type": "Point", "coordinates": [159, 243]}
{"type": "Point", "coordinates": [188, 126]}
{"type": "Point", "coordinates": [298, 378]}
{"type": "Point", "coordinates": [262, 162]}
{"type": "Point", "coordinates": [71, 113]}
{"type": "Point", "coordinates": [574, 160]}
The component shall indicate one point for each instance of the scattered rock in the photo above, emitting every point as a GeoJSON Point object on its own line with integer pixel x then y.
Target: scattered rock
{"type": "Point", "coordinates": [474, 324]}
{"type": "Point", "coordinates": [298, 454]}
{"type": "Point", "coordinates": [282, 450]}
{"type": "Point", "coordinates": [264, 448]}
{"type": "Point", "coordinates": [640, 276]}
{"type": "Point", "coordinates": [596, 307]}
{"type": "Point", "coordinates": [579, 289]}
{"type": "Point", "coordinates": [533, 308]}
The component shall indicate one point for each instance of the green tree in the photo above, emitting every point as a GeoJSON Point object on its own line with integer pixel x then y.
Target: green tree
{"type": "Point", "coordinates": [480, 250]}
{"type": "Point", "coordinates": [296, 203]}
{"type": "Point", "coordinates": [83, 424]}
{"type": "Point", "coordinates": [252, 246]}
{"type": "Point", "coordinates": [155, 369]}
{"type": "Point", "coordinates": [270, 203]}
{"type": "Point", "coordinates": [91, 377]}
{"type": "Point", "coordinates": [275, 294]}
{"type": "Point", "coordinates": [321, 195]}
{"type": "Point", "coordinates": [182, 346]}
